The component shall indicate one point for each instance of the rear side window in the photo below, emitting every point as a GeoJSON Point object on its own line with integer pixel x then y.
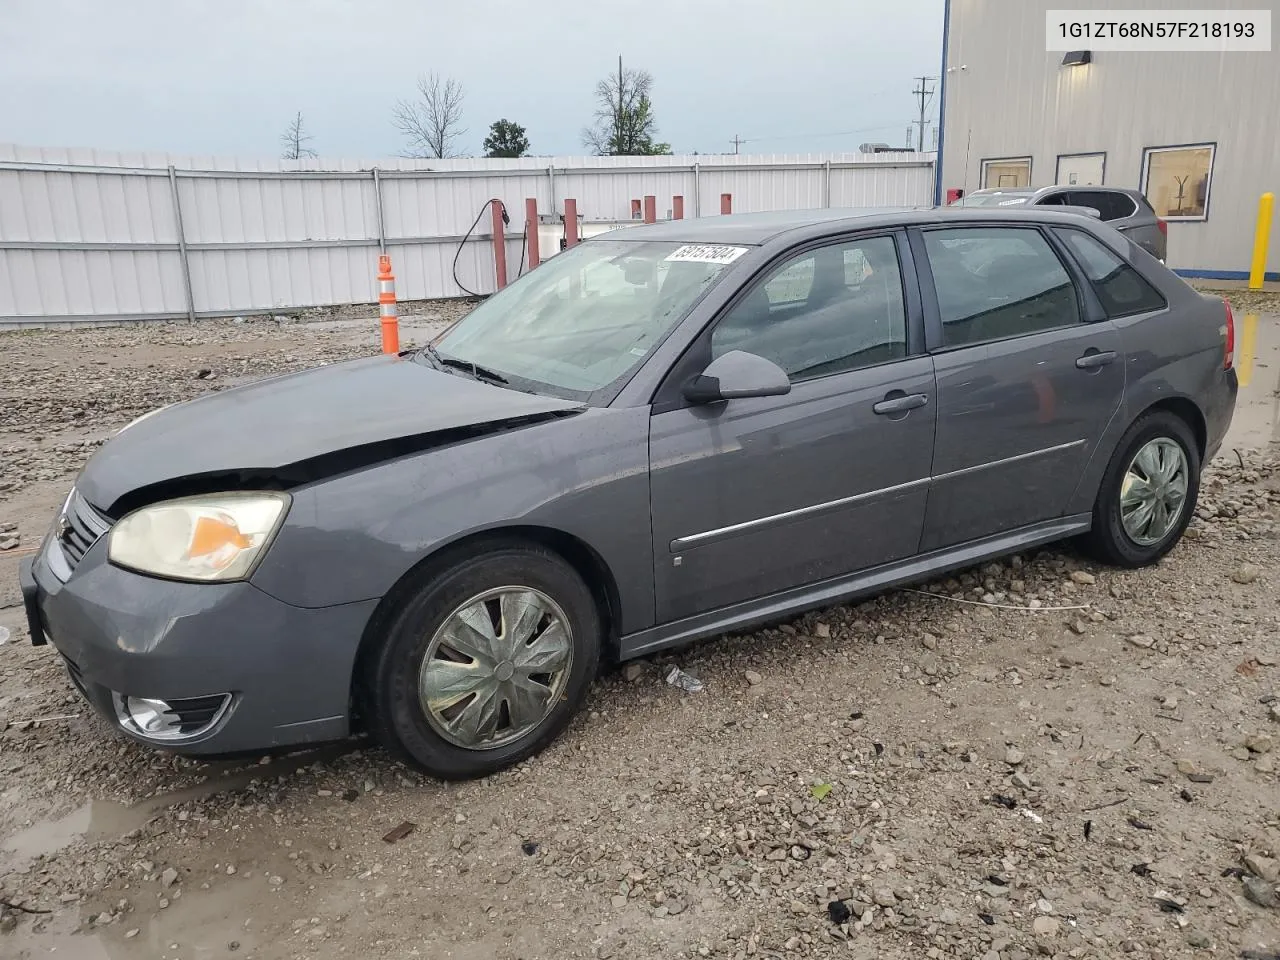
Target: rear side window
{"type": "Point", "coordinates": [1122, 290]}
{"type": "Point", "coordinates": [998, 282]}
{"type": "Point", "coordinates": [1109, 204]}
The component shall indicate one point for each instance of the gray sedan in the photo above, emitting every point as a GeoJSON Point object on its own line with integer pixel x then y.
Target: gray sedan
{"type": "Point", "coordinates": [1126, 210]}
{"type": "Point", "coordinates": [665, 433]}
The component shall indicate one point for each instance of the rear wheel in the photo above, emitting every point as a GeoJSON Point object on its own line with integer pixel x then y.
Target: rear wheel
{"type": "Point", "coordinates": [1148, 492]}
{"type": "Point", "coordinates": [484, 664]}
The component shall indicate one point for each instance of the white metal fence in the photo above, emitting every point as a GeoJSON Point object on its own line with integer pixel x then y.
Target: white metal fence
{"type": "Point", "coordinates": [90, 235]}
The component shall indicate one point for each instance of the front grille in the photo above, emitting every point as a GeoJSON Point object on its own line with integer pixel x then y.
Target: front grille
{"type": "Point", "coordinates": [79, 527]}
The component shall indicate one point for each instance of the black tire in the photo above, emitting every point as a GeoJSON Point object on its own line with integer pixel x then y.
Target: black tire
{"type": "Point", "coordinates": [1108, 540]}
{"type": "Point", "coordinates": [389, 688]}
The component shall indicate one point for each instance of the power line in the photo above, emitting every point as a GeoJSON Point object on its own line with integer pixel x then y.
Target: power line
{"type": "Point", "coordinates": [925, 93]}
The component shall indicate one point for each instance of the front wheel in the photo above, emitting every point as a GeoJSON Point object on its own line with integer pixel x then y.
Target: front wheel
{"type": "Point", "coordinates": [1148, 493]}
{"type": "Point", "coordinates": [483, 665]}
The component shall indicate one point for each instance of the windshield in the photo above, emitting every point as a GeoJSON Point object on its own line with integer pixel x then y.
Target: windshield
{"type": "Point", "coordinates": [993, 199]}
{"type": "Point", "coordinates": [587, 317]}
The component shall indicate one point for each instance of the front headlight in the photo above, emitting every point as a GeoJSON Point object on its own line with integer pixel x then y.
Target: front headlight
{"type": "Point", "coordinates": [216, 537]}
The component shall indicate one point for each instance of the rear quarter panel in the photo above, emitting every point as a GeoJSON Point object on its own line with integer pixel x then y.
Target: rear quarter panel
{"type": "Point", "coordinates": [1171, 354]}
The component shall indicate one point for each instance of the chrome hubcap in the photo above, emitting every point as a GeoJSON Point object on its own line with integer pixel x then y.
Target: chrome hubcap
{"type": "Point", "coordinates": [1154, 492]}
{"type": "Point", "coordinates": [496, 667]}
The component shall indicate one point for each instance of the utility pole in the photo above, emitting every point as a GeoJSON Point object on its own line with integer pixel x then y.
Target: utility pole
{"type": "Point", "coordinates": [617, 120]}
{"type": "Point", "coordinates": [925, 93]}
{"type": "Point", "coordinates": [737, 141]}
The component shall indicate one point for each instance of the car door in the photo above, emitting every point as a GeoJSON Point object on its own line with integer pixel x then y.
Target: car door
{"type": "Point", "coordinates": [755, 496]}
{"type": "Point", "coordinates": [1029, 373]}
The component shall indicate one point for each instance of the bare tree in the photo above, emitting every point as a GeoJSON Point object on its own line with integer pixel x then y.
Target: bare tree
{"type": "Point", "coordinates": [432, 122]}
{"type": "Point", "coordinates": [625, 125]}
{"type": "Point", "coordinates": [296, 139]}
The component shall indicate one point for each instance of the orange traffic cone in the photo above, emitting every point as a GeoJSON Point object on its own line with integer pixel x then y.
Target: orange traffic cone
{"type": "Point", "coordinates": [387, 306]}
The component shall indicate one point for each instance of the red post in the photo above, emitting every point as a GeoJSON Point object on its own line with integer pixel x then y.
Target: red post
{"type": "Point", "coordinates": [570, 223]}
{"type": "Point", "coordinates": [677, 208]}
{"type": "Point", "coordinates": [531, 230]}
{"type": "Point", "coordinates": [635, 209]}
{"type": "Point", "coordinates": [387, 306]}
{"type": "Point", "coordinates": [726, 203]}
{"type": "Point", "coordinates": [650, 209]}
{"type": "Point", "coordinates": [499, 244]}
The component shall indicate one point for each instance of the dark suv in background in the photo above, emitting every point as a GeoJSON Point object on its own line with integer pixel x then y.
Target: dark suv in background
{"type": "Point", "coordinates": [1126, 210]}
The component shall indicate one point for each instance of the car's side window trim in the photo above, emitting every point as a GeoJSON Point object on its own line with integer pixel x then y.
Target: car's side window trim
{"type": "Point", "coordinates": [1089, 308]}
{"type": "Point", "coordinates": [669, 395]}
{"type": "Point", "coordinates": [1058, 234]}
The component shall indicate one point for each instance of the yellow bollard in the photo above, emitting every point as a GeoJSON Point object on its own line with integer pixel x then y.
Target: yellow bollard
{"type": "Point", "coordinates": [1260, 237]}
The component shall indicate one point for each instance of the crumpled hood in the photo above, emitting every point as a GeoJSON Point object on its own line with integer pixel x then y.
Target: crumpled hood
{"type": "Point", "coordinates": [273, 424]}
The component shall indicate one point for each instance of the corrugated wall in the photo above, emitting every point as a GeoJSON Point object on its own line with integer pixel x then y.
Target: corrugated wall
{"type": "Point", "coordinates": [94, 235]}
{"type": "Point", "coordinates": [1006, 96]}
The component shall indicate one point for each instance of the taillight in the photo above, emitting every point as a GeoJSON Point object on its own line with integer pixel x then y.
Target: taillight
{"type": "Point", "coordinates": [1163, 228]}
{"type": "Point", "coordinates": [1229, 348]}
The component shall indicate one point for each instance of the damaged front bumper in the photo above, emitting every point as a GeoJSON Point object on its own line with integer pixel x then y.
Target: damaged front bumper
{"type": "Point", "coordinates": [199, 668]}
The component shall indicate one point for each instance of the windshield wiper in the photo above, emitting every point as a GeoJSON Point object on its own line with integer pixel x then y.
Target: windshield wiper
{"type": "Point", "coordinates": [477, 371]}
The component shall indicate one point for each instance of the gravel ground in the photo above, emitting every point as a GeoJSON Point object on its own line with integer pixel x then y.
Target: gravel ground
{"type": "Point", "coordinates": [1047, 758]}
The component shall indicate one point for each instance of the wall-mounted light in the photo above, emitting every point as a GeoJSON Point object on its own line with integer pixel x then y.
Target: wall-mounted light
{"type": "Point", "coordinates": [1077, 58]}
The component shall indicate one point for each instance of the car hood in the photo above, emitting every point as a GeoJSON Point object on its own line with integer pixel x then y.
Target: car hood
{"type": "Point", "coordinates": [298, 427]}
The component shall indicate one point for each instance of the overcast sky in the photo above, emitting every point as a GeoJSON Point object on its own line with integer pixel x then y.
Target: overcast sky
{"type": "Point", "coordinates": [225, 76]}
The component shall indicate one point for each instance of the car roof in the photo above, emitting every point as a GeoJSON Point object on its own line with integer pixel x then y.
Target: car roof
{"type": "Point", "coordinates": [756, 229]}
{"type": "Point", "coordinates": [1011, 191]}
{"type": "Point", "coordinates": [1028, 191]}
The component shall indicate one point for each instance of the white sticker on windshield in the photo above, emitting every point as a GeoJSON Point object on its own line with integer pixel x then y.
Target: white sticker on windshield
{"type": "Point", "coordinates": [706, 253]}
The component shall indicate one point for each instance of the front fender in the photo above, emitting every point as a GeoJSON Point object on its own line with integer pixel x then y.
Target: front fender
{"type": "Point", "coordinates": [353, 537]}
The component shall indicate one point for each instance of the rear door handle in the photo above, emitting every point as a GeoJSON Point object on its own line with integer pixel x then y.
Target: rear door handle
{"type": "Point", "coordinates": [900, 404]}
{"type": "Point", "coordinates": [1091, 361]}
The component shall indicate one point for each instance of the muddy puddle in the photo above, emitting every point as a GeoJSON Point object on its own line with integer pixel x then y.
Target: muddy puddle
{"type": "Point", "coordinates": [1257, 417]}
{"type": "Point", "coordinates": [103, 819]}
{"type": "Point", "coordinates": [93, 821]}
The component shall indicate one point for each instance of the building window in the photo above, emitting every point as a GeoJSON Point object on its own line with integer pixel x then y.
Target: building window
{"type": "Point", "coordinates": [1080, 169]}
{"type": "Point", "coordinates": [1176, 180]}
{"type": "Point", "coordinates": [1008, 172]}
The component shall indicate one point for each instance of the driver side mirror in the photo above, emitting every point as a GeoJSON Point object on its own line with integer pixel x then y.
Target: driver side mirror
{"type": "Point", "coordinates": [737, 375]}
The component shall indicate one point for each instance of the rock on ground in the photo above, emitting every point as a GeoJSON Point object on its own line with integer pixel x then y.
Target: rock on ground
{"type": "Point", "coordinates": [945, 770]}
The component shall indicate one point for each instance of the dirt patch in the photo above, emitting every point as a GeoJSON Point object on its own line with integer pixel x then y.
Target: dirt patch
{"type": "Point", "coordinates": [1095, 778]}
{"type": "Point", "coordinates": [1242, 301]}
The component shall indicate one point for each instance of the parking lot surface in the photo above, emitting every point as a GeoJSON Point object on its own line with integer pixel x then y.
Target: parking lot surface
{"type": "Point", "coordinates": [1038, 757]}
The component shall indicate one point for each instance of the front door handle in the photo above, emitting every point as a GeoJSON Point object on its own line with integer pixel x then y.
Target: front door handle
{"type": "Point", "coordinates": [1091, 361]}
{"type": "Point", "coordinates": [900, 403]}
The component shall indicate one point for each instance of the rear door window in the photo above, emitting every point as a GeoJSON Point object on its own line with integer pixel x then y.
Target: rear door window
{"type": "Point", "coordinates": [1122, 290]}
{"type": "Point", "coordinates": [998, 282]}
{"type": "Point", "coordinates": [1110, 204]}
{"type": "Point", "coordinates": [1054, 200]}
